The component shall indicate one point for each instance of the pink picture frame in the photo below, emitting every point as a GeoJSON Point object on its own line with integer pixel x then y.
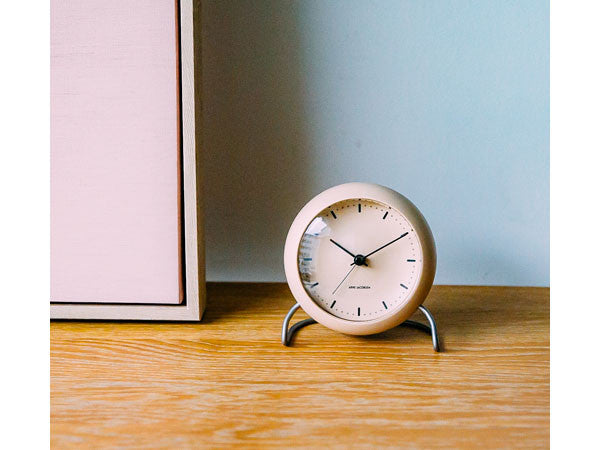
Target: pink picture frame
{"type": "Point", "coordinates": [165, 228]}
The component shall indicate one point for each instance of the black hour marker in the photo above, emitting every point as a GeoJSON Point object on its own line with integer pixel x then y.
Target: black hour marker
{"type": "Point", "coordinates": [403, 286]}
{"type": "Point", "coordinates": [333, 303]}
{"type": "Point", "coordinates": [307, 259]}
{"type": "Point", "coordinates": [359, 210]}
{"type": "Point", "coordinates": [384, 305]}
{"type": "Point", "coordinates": [333, 214]}
{"type": "Point", "coordinates": [385, 215]}
{"type": "Point", "coordinates": [313, 285]}
{"type": "Point", "coordinates": [359, 311]}
{"type": "Point", "coordinates": [410, 260]}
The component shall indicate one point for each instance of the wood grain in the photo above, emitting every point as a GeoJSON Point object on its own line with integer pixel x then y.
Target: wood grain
{"type": "Point", "coordinates": [228, 381]}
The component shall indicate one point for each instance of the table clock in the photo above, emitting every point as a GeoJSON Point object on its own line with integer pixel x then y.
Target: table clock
{"type": "Point", "coordinates": [360, 259]}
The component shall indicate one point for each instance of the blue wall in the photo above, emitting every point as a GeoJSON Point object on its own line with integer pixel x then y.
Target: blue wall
{"type": "Point", "coordinates": [445, 101]}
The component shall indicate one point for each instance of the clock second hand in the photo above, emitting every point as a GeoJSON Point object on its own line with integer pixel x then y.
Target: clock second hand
{"type": "Point", "coordinates": [344, 279]}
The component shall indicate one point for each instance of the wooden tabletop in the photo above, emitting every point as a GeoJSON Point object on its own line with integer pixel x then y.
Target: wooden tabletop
{"type": "Point", "coordinates": [228, 380]}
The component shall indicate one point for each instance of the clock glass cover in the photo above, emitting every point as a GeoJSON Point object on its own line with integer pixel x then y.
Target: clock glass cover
{"type": "Point", "coordinates": [360, 260]}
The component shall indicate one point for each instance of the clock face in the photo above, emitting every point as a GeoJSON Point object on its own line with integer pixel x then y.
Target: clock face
{"type": "Point", "coordinates": [360, 260]}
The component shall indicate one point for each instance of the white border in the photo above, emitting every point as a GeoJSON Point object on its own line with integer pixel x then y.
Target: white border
{"type": "Point", "coordinates": [575, 222]}
{"type": "Point", "coordinates": [25, 223]}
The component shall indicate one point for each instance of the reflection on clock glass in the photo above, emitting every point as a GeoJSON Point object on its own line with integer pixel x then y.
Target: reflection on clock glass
{"type": "Point", "coordinates": [360, 259]}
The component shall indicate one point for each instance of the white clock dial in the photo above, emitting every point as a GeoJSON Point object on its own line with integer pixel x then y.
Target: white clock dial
{"type": "Point", "coordinates": [360, 260]}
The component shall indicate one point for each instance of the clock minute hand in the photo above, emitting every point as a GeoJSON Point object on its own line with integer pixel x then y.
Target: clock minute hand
{"type": "Point", "coordinates": [384, 246]}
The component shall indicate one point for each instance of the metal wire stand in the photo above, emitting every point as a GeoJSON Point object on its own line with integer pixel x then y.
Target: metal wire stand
{"type": "Point", "coordinates": [288, 333]}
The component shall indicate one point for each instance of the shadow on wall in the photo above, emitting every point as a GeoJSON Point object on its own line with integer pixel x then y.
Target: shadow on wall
{"type": "Point", "coordinates": [254, 119]}
{"type": "Point", "coordinates": [445, 102]}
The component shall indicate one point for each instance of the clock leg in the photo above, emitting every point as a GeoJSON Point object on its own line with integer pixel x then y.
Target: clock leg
{"type": "Point", "coordinates": [431, 329]}
{"type": "Point", "coordinates": [287, 335]}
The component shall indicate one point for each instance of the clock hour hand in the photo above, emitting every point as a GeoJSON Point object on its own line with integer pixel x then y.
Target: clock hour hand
{"type": "Point", "coordinates": [384, 246]}
{"type": "Point", "coordinates": [350, 253]}
{"type": "Point", "coordinates": [359, 260]}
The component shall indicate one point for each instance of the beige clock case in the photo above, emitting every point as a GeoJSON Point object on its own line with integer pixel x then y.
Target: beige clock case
{"type": "Point", "coordinates": [365, 191]}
